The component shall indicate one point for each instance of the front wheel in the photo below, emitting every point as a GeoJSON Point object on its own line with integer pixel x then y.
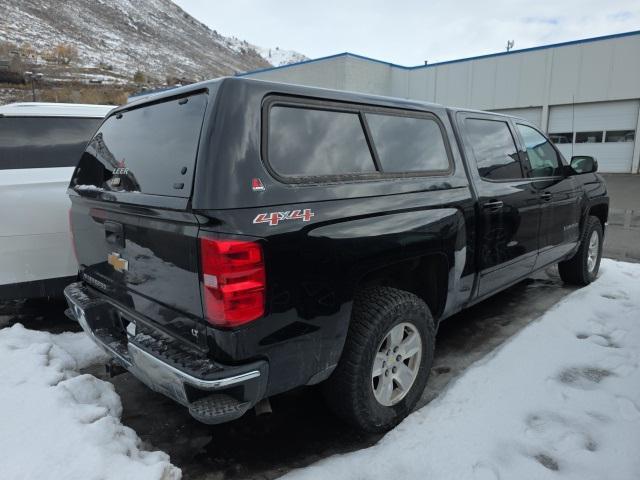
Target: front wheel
{"type": "Point", "coordinates": [582, 268]}
{"type": "Point", "coordinates": [386, 359]}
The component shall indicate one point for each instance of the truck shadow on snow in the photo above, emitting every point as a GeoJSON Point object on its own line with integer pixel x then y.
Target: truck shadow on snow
{"type": "Point", "coordinates": [301, 430]}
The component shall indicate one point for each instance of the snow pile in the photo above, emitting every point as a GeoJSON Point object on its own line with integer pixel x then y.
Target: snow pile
{"type": "Point", "coordinates": [56, 423]}
{"type": "Point", "coordinates": [560, 400]}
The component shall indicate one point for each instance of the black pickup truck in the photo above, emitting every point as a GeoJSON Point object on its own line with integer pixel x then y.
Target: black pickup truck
{"type": "Point", "coordinates": [239, 238]}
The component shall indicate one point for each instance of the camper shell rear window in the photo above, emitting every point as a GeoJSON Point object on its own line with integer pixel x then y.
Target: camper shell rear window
{"type": "Point", "coordinates": [149, 149]}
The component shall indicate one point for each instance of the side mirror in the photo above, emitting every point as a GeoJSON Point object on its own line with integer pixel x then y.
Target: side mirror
{"type": "Point", "coordinates": [584, 164]}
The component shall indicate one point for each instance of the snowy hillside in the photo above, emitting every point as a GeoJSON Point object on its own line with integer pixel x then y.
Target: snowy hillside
{"type": "Point", "coordinates": [275, 56]}
{"type": "Point", "coordinates": [278, 57]}
{"type": "Point", "coordinates": [155, 37]}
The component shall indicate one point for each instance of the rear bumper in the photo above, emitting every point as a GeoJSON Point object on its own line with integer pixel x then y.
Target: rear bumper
{"type": "Point", "coordinates": [214, 393]}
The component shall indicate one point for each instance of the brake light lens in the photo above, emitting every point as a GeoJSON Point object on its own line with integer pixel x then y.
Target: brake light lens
{"type": "Point", "coordinates": [233, 281]}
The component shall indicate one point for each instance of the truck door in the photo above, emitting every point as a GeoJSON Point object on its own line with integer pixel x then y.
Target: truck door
{"type": "Point", "coordinates": [509, 211]}
{"type": "Point", "coordinates": [559, 196]}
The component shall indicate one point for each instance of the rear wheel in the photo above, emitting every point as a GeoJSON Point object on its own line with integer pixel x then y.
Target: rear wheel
{"type": "Point", "coordinates": [386, 359]}
{"type": "Point", "coordinates": [582, 268]}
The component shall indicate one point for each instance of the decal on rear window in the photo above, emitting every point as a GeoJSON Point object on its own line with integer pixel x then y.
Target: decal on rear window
{"type": "Point", "coordinates": [273, 218]}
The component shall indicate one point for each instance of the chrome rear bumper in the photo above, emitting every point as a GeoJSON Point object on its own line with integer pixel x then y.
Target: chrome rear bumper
{"type": "Point", "coordinates": [150, 360]}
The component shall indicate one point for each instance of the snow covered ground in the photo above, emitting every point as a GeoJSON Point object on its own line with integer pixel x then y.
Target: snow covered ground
{"type": "Point", "coordinates": [58, 424]}
{"type": "Point", "coordinates": [560, 400]}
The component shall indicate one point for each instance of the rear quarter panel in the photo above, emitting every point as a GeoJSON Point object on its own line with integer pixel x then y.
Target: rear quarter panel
{"type": "Point", "coordinates": [313, 269]}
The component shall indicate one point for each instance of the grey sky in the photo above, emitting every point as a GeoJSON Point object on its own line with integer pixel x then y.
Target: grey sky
{"type": "Point", "coordinates": [410, 31]}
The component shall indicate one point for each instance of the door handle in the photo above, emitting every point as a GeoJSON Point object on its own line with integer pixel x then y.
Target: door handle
{"type": "Point", "coordinates": [546, 196]}
{"type": "Point", "coordinates": [493, 205]}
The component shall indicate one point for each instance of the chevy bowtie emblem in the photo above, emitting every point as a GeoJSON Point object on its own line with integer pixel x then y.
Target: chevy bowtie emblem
{"type": "Point", "coordinates": [119, 264]}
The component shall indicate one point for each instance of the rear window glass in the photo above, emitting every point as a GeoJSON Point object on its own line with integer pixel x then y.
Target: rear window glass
{"type": "Point", "coordinates": [43, 142]}
{"type": "Point", "coordinates": [408, 144]}
{"type": "Point", "coordinates": [306, 142]}
{"type": "Point", "coordinates": [151, 150]}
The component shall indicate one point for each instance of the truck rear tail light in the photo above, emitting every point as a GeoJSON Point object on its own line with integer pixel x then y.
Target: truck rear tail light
{"type": "Point", "coordinates": [233, 281]}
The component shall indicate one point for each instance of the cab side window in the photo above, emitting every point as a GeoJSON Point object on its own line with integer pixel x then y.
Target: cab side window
{"type": "Point", "coordinates": [543, 157]}
{"type": "Point", "coordinates": [494, 149]}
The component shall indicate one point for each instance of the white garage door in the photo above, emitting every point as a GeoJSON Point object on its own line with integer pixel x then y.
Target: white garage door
{"type": "Point", "coordinates": [605, 130]}
{"type": "Point", "coordinates": [533, 115]}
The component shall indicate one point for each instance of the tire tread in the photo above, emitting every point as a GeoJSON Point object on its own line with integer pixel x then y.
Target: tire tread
{"type": "Point", "coordinates": [574, 270]}
{"type": "Point", "coordinates": [370, 307]}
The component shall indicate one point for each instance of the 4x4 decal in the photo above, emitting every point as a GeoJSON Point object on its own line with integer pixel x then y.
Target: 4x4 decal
{"type": "Point", "coordinates": [274, 218]}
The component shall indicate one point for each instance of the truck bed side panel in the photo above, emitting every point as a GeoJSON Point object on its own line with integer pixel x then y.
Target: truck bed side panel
{"type": "Point", "coordinates": [314, 267]}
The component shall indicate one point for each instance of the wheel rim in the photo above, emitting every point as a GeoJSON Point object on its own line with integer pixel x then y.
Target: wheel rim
{"type": "Point", "coordinates": [592, 253]}
{"type": "Point", "coordinates": [396, 364]}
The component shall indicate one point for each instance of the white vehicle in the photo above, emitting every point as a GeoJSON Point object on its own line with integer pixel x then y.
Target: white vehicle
{"type": "Point", "coordinates": [40, 145]}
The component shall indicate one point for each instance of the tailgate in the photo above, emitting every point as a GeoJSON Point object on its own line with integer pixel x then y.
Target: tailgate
{"type": "Point", "coordinates": [134, 235]}
{"type": "Point", "coordinates": [145, 259]}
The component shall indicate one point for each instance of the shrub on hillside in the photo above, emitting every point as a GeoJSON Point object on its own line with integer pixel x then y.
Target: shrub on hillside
{"type": "Point", "coordinates": [63, 54]}
{"type": "Point", "coordinates": [139, 77]}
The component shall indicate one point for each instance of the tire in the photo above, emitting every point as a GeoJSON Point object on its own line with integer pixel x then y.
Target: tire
{"type": "Point", "coordinates": [581, 269]}
{"type": "Point", "coordinates": [350, 390]}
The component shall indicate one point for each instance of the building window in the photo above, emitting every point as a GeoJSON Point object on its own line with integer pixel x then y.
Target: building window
{"type": "Point", "coordinates": [588, 137]}
{"type": "Point", "coordinates": [561, 138]}
{"type": "Point", "coordinates": [620, 136]}
{"type": "Point", "coordinates": [408, 144]}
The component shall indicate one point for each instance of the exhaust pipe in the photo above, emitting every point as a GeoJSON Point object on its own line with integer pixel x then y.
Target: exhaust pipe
{"type": "Point", "coordinates": [263, 406]}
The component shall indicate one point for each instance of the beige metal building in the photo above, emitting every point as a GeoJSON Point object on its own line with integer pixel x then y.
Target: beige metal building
{"type": "Point", "coordinates": [585, 94]}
